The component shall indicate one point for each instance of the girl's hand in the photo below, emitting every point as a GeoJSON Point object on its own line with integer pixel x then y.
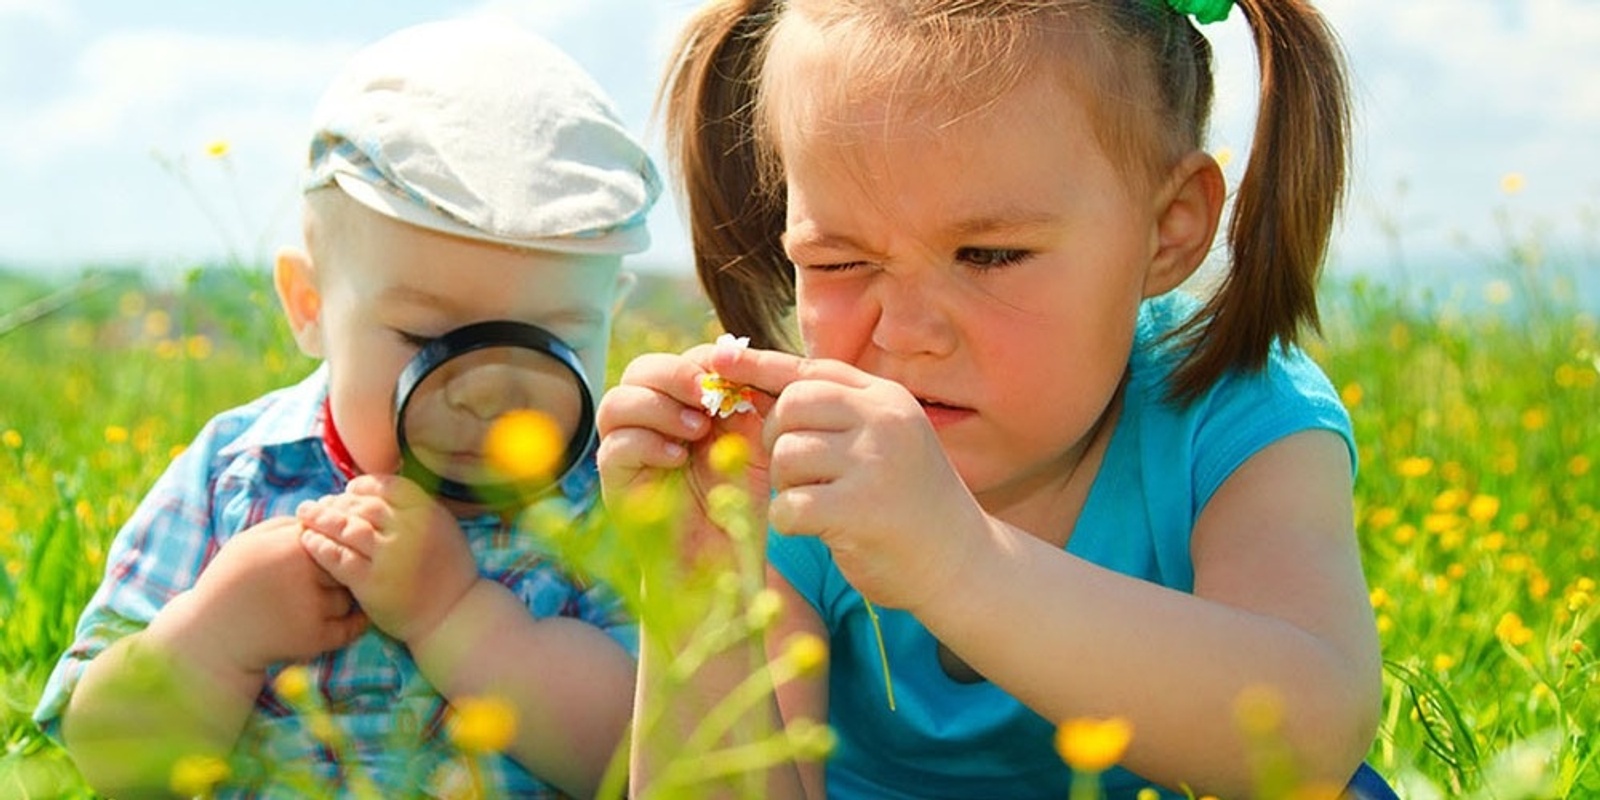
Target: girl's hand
{"type": "Point", "coordinates": [652, 424]}
{"type": "Point", "coordinates": [855, 461]}
{"type": "Point", "coordinates": [263, 600]}
{"type": "Point", "coordinates": [400, 552]}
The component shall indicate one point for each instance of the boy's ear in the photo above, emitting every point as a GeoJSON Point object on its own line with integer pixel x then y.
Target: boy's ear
{"type": "Point", "coordinates": [294, 275]}
{"type": "Point", "coordinates": [1188, 213]}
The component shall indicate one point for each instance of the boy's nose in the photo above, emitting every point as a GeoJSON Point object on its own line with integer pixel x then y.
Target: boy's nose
{"type": "Point", "coordinates": [487, 390]}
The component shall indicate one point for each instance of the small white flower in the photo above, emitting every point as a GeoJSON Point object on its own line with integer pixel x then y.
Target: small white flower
{"type": "Point", "coordinates": [719, 396]}
{"type": "Point", "coordinates": [728, 341]}
{"type": "Point", "coordinates": [723, 398]}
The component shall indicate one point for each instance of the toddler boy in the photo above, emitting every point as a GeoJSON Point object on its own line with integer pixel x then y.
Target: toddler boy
{"type": "Point", "coordinates": [459, 172]}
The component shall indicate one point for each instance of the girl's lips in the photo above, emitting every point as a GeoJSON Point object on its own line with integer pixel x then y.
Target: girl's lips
{"type": "Point", "coordinates": [942, 415]}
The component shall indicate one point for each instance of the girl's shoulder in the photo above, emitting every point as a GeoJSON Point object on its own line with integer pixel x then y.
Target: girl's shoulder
{"type": "Point", "coordinates": [1245, 410]}
{"type": "Point", "coordinates": [1290, 375]}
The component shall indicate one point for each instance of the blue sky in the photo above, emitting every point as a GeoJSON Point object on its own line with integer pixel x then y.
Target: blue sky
{"type": "Point", "coordinates": [106, 108]}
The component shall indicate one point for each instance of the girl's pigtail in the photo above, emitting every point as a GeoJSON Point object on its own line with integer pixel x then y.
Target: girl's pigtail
{"type": "Point", "coordinates": [736, 220]}
{"type": "Point", "coordinates": [1285, 205]}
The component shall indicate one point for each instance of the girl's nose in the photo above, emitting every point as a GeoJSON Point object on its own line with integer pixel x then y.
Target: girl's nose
{"type": "Point", "coordinates": [913, 318]}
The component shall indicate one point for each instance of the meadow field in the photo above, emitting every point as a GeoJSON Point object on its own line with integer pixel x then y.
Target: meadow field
{"type": "Point", "coordinates": [1478, 496]}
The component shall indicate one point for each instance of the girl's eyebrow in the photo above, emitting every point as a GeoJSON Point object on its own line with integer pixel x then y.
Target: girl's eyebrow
{"type": "Point", "coordinates": [1005, 221]}
{"type": "Point", "coordinates": [810, 239]}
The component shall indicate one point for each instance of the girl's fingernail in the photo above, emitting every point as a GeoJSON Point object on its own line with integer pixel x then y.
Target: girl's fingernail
{"type": "Point", "coordinates": [694, 420]}
{"type": "Point", "coordinates": [675, 451]}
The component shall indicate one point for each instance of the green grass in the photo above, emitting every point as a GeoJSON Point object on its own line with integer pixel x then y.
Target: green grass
{"type": "Point", "coordinates": [1477, 498]}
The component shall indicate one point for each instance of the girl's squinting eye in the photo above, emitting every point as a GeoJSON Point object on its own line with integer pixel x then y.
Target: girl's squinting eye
{"type": "Point", "coordinates": [985, 258]}
{"type": "Point", "coordinates": [839, 267]}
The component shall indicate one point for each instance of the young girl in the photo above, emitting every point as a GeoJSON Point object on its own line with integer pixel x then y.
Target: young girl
{"type": "Point", "coordinates": [1067, 489]}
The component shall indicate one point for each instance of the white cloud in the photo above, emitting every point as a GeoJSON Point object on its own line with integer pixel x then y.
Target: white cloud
{"type": "Point", "coordinates": [162, 85]}
{"type": "Point", "coordinates": [55, 13]}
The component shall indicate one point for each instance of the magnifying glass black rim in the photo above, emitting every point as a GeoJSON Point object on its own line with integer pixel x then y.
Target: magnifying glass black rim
{"type": "Point", "coordinates": [471, 338]}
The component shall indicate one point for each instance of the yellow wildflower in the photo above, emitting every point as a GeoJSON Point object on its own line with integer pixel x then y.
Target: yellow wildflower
{"type": "Point", "coordinates": [157, 324]}
{"type": "Point", "coordinates": [196, 776]}
{"type": "Point", "coordinates": [524, 445]}
{"type": "Point", "coordinates": [729, 454]}
{"type": "Point", "coordinates": [1535, 419]}
{"type": "Point", "coordinates": [807, 652]}
{"type": "Point", "coordinates": [293, 684]}
{"type": "Point", "coordinates": [198, 347]}
{"type": "Point", "coordinates": [483, 724]}
{"type": "Point", "coordinates": [11, 438]}
{"type": "Point", "coordinates": [1443, 662]}
{"type": "Point", "coordinates": [1513, 182]}
{"type": "Point", "coordinates": [1093, 745]}
{"type": "Point", "coordinates": [218, 148]}
{"type": "Point", "coordinates": [764, 608]}
{"type": "Point", "coordinates": [1351, 394]}
{"type": "Point", "coordinates": [116, 434]}
{"type": "Point", "coordinates": [1578, 465]}
{"type": "Point", "coordinates": [1415, 467]}
{"type": "Point", "coordinates": [1483, 508]}
{"type": "Point", "coordinates": [1512, 631]}
{"type": "Point", "coordinates": [1383, 517]}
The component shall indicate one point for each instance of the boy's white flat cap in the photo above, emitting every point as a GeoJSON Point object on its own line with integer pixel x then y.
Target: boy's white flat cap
{"type": "Point", "coordinates": [479, 129]}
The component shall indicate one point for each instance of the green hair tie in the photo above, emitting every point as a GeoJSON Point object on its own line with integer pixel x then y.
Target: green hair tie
{"type": "Point", "coordinates": [1204, 12]}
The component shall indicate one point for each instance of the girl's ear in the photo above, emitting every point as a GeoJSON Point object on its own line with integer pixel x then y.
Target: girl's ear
{"type": "Point", "coordinates": [294, 275]}
{"type": "Point", "coordinates": [1189, 209]}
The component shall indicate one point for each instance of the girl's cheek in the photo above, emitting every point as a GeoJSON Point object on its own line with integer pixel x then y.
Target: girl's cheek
{"type": "Point", "coordinates": [834, 322]}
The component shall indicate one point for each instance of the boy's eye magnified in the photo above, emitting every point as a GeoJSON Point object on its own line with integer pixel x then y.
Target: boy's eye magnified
{"type": "Point", "coordinates": [413, 340]}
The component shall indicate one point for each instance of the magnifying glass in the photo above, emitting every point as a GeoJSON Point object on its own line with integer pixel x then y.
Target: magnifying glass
{"type": "Point", "coordinates": [493, 414]}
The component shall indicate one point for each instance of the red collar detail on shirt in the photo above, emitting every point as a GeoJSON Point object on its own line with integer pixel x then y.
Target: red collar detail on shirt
{"type": "Point", "coordinates": [335, 445]}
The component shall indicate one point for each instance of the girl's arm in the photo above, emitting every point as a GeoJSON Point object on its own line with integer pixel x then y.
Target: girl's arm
{"type": "Point", "coordinates": [1280, 604]}
{"type": "Point", "coordinates": [651, 426]}
{"type": "Point", "coordinates": [570, 684]}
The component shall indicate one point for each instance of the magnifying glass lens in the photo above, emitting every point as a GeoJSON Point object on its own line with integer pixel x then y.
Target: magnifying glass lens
{"type": "Point", "coordinates": [489, 422]}
{"type": "Point", "coordinates": [493, 415]}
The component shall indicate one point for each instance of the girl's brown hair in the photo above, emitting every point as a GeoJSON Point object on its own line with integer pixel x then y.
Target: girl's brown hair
{"type": "Point", "coordinates": [1146, 69]}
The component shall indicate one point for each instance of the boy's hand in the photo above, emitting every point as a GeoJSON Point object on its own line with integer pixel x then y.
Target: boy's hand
{"type": "Point", "coordinates": [855, 462]}
{"type": "Point", "coordinates": [652, 423]}
{"type": "Point", "coordinates": [262, 600]}
{"type": "Point", "coordinates": [399, 551]}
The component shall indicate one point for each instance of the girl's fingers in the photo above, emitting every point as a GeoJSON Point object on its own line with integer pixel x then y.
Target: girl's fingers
{"type": "Point", "coordinates": [648, 408]}
{"type": "Point", "coordinates": [771, 371]}
{"type": "Point", "coordinates": [803, 457]}
{"type": "Point", "coordinates": [675, 377]}
{"type": "Point", "coordinates": [630, 450]}
{"type": "Point", "coordinates": [797, 511]}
